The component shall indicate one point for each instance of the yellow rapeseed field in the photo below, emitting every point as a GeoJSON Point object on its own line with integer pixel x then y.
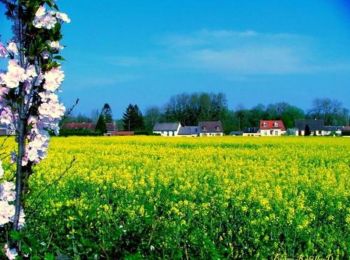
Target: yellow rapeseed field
{"type": "Point", "coordinates": [211, 198]}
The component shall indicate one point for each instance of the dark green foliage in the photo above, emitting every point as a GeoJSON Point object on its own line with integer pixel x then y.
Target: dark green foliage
{"type": "Point", "coordinates": [189, 109]}
{"type": "Point", "coordinates": [101, 124]}
{"type": "Point", "coordinates": [331, 111]}
{"type": "Point", "coordinates": [107, 113]}
{"type": "Point", "coordinates": [133, 119]}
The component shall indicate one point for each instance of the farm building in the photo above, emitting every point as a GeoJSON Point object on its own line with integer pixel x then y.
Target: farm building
{"type": "Point", "coordinates": [167, 129]}
{"type": "Point", "coordinates": [272, 128]}
{"type": "Point", "coordinates": [332, 130]}
{"type": "Point", "coordinates": [251, 131]}
{"type": "Point", "coordinates": [309, 127]}
{"type": "Point", "coordinates": [189, 131]}
{"type": "Point", "coordinates": [79, 126]}
{"type": "Point", "coordinates": [111, 129]}
{"type": "Point", "coordinates": [210, 128]}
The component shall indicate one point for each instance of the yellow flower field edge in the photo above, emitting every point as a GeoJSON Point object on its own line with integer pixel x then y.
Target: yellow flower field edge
{"type": "Point", "coordinates": [211, 198]}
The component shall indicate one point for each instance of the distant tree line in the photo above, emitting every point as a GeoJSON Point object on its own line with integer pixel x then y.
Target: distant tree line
{"type": "Point", "coordinates": [189, 109]}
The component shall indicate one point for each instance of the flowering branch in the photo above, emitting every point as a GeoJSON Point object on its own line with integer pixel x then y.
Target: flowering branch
{"type": "Point", "coordinates": [29, 104]}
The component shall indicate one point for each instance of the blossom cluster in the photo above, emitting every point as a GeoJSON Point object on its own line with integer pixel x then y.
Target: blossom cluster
{"type": "Point", "coordinates": [48, 19]}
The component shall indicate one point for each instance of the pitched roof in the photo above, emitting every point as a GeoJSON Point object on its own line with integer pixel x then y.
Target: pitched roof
{"type": "Point", "coordinates": [83, 125]}
{"type": "Point", "coordinates": [166, 126]}
{"type": "Point", "coordinates": [314, 124]}
{"type": "Point", "coordinates": [333, 128]}
{"type": "Point", "coordinates": [251, 130]}
{"type": "Point", "coordinates": [272, 124]}
{"type": "Point", "coordinates": [210, 127]}
{"type": "Point", "coordinates": [189, 130]}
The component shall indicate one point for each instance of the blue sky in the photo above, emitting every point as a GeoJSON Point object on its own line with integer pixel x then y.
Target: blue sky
{"type": "Point", "coordinates": [256, 51]}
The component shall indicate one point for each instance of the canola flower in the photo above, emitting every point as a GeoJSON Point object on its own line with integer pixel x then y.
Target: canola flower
{"type": "Point", "coordinates": [156, 197]}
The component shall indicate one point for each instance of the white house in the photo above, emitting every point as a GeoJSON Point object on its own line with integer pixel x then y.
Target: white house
{"type": "Point", "coordinates": [167, 129]}
{"type": "Point", "coordinates": [272, 128]}
{"type": "Point", "coordinates": [189, 131]}
{"type": "Point", "coordinates": [309, 127]}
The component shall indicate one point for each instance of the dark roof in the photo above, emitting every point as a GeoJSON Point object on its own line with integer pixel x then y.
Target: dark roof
{"type": "Point", "coordinates": [189, 130]}
{"type": "Point", "coordinates": [210, 127]}
{"type": "Point", "coordinates": [166, 126]}
{"type": "Point", "coordinates": [272, 124]}
{"type": "Point", "coordinates": [236, 133]}
{"type": "Point", "coordinates": [314, 124]}
{"type": "Point", "coordinates": [73, 125]}
{"type": "Point", "coordinates": [333, 128]}
{"type": "Point", "coordinates": [251, 130]}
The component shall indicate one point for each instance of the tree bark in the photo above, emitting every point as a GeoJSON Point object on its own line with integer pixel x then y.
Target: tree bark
{"type": "Point", "coordinates": [21, 133]}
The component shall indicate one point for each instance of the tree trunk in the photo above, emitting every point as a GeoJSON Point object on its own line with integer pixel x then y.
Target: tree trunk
{"type": "Point", "coordinates": [21, 133]}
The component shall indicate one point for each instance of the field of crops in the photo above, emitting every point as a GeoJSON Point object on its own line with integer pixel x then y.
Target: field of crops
{"type": "Point", "coordinates": [173, 198]}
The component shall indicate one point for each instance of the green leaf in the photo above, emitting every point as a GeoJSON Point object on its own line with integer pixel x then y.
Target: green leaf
{"type": "Point", "coordinates": [58, 57]}
{"type": "Point", "coordinates": [49, 256]}
{"type": "Point", "coordinates": [15, 235]}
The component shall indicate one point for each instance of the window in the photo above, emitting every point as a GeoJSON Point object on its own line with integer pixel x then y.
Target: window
{"type": "Point", "coordinates": [265, 124]}
{"type": "Point", "coordinates": [275, 124]}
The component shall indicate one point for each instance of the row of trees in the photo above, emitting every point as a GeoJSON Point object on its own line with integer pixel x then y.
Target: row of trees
{"type": "Point", "coordinates": [189, 109]}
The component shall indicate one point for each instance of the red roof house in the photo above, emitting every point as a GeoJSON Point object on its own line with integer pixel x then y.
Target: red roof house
{"type": "Point", "coordinates": [272, 127]}
{"type": "Point", "coordinates": [76, 126]}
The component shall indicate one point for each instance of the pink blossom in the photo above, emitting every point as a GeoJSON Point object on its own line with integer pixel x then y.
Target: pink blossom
{"type": "Point", "coordinates": [3, 51]}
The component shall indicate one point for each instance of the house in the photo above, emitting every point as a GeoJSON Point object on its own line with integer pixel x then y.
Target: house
{"type": "Point", "coordinates": [236, 133]}
{"type": "Point", "coordinates": [332, 130]}
{"type": "Point", "coordinates": [272, 128]}
{"type": "Point", "coordinates": [345, 131]}
{"type": "Point", "coordinates": [251, 131]}
{"type": "Point", "coordinates": [167, 129]}
{"type": "Point", "coordinates": [189, 131]}
{"type": "Point", "coordinates": [111, 129]}
{"type": "Point", "coordinates": [210, 128]}
{"type": "Point", "coordinates": [309, 127]}
{"type": "Point", "coordinates": [121, 133]}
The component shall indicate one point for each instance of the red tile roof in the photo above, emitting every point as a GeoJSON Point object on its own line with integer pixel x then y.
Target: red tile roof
{"type": "Point", "coordinates": [272, 124]}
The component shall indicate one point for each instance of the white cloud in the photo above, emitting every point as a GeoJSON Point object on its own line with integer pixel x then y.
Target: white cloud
{"type": "Point", "coordinates": [235, 54]}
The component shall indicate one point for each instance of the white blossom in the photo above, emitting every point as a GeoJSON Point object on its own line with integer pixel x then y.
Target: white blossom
{"type": "Point", "coordinates": [7, 191]}
{"type": "Point", "coordinates": [6, 213]}
{"type": "Point", "coordinates": [15, 74]}
{"type": "Point", "coordinates": [53, 79]}
{"type": "Point", "coordinates": [55, 45]}
{"type": "Point", "coordinates": [63, 17]}
{"type": "Point", "coordinates": [12, 47]}
{"type": "Point", "coordinates": [11, 253]}
{"type": "Point", "coordinates": [43, 19]}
